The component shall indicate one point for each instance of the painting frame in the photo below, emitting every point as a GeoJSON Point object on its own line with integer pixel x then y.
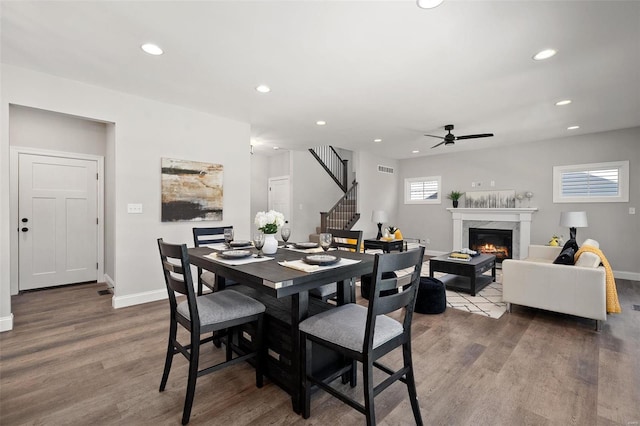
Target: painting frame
{"type": "Point", "coordinates": [191, 190]}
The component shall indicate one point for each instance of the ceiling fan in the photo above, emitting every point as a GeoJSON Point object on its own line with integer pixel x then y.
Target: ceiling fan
{"type": "Point", "coordinates": [449, 138]}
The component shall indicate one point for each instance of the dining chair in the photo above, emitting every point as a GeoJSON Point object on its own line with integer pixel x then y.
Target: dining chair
{"type": "Point", "coordinates": [204, 236]}
{"type": "Point", "coordinates": [365, 334]}
{"type": "Point", "coordinates": [342, 240]}
{"type": "Point", "coordinates": [225, 309]}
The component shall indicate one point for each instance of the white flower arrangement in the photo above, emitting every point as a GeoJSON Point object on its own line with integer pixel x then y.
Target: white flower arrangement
{"type": "Point", "coordinates": [269, 222]}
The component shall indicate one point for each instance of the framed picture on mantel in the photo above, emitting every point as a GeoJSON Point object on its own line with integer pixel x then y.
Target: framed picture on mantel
{"type": "Point", "coordinates": [490, 199]}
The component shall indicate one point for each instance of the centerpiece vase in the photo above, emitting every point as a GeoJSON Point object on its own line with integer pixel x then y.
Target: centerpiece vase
{"type": "Point", "coordinates": [270, 244]}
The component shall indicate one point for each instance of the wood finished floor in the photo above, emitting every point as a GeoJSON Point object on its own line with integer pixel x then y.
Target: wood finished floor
{"type": "Point", "coordinates": [71, 359]}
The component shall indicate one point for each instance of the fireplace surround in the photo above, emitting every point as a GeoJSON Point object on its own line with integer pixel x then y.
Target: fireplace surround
{"type": "Point", "coordinates": [516, 219]}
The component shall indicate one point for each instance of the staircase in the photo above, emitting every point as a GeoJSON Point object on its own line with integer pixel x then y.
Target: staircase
{"type": "Point", "coordinates": [344, 214]}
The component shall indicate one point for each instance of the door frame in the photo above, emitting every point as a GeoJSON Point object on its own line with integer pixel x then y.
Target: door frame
{"type": "Point", "coordinates": [14, 155]}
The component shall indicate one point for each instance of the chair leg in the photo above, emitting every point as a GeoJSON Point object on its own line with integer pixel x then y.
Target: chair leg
{"type": "Point", "coordinates": [306, 364]}
{"type": "Point", "coordinates": [199, 282]}
{"type": "Point", "coordinates": [229, 353]}
{"type": "Point", "coordinates": [260, 349]}
{"type": "Point", "coordinates": [411, 383]}
{"type": "Point", "coordinates": [170, 352]}
{"type": "Point", "coordinates": [193, 375]}
{"type": "Point", "coordinates": [367, 379]}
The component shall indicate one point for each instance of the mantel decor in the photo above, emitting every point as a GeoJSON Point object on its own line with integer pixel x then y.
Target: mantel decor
{"type": "Point", "coordinates": [490, 199]}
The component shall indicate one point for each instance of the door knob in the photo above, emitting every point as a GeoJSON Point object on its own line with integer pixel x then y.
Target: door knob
{"type": "Point", "coordinates": [25, 229]}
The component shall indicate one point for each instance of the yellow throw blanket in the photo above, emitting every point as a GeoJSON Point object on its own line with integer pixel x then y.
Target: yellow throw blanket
{"type": "Point", "coordinates": [613, 306]}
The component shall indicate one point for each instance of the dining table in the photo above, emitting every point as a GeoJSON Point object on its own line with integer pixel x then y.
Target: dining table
{"type": "Point", "coordinates": [269, 278]}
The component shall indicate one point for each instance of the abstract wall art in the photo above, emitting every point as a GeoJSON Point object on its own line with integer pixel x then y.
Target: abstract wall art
{"type": "Point", "coordinates": [191, 190]}
{"type": "Point", "coordinates": [490, 199]}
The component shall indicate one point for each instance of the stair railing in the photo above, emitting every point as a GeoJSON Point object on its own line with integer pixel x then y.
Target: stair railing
{"type": "Point", "coordinates": [332, 163]}
{"type": "Point", "coordinates": [344, 214]}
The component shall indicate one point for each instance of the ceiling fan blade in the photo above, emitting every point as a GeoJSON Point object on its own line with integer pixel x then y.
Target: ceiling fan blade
{"type": "Point", "coordinates": [433, 136]}
{"type": "Point", "coordinates": [438, 144]}
{"type": "Point", "coordinates": [482, 135]}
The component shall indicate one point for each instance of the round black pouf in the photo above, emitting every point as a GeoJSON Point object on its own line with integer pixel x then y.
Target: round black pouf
{"type": "Point", "coordinates": [431, 298]}
{"type": "Point", "coordinates": [365, 284]}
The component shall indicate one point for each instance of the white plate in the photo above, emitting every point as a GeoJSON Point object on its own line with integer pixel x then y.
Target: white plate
{"type": "Point", "coordinates": [235, 254]}
{"type": "Point", "coordinates": [237, 244]}
{"type": "Point", "coordinates": [306, 245]}
{"type": "Point", "coordinates": [320, 259]}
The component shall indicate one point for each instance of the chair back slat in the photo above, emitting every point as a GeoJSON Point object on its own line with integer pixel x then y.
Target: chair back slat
{"type": "Point", "coordinates": [346, 239]}
{"type": "Point", "coordinates": [381, 303]}
{"type": "Point", "coordinates": [211, 235]}
{"type": "Point", "coordinates": [177, 274]}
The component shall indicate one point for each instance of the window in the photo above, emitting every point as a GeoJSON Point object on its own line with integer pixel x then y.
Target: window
{"type": "Point", "coordinates": [591, 183]}
{"type": "Point", "coordinates": [422, 190]}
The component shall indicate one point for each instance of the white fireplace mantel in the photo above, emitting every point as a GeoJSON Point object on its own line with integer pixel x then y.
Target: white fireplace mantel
{"type": "Point", "coordinates": [521, 215]}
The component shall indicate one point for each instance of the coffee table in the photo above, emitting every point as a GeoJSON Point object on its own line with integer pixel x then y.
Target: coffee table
{"type": "Point", "coordinates": [464, 275]}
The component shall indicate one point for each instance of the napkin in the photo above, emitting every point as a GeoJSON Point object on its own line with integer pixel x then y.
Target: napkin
{"type": "Point", "coordinates": [299, 265]}
{"type": "Point", "coordinates": [310, 250]}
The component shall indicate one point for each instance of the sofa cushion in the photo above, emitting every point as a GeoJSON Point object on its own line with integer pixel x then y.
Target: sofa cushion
{"type": "Point", "coordinates": [590, 242]}
{"type": "Point", "coordinates": [566, 257]}
{"type": "Point", "coordinates": [588, 259]}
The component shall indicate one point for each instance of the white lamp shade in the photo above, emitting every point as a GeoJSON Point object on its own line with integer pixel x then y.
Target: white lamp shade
{"type": "Point", "coordinates": [429, 4]}
{"type": "Point", "coordinates": [573, 219]}
{"type": "Point", "coordinates": [379, 216]}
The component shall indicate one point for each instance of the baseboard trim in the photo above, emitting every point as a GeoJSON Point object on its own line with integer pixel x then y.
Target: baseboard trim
{"type": "Point", "coordinates": [626, 275]}
{"type": "Point", "coordinates": [138, 298]}
{"type": "Point", "coordinates": [109, 281]}
{"type": "Point", "coordinates": [6, 323]}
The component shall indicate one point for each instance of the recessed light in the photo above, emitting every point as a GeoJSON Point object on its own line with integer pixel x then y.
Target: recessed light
{"type": "Point", "coordinates": [564, 102]}
{"type": "Point", "coordinates": [276, 147]}
{"type": "Point", "coordinates": [573, 127]}
{"type": "Point", "coordinates": [415, 151]}
{"type": "Point", "coordinates": [429, 4]}
{"type": "Point", "coordinates": [263, 88]}
{"type": "Point", "coordinates": [152, 49]}
{"type": "Point", "coordinates": [544, 54]}
{"type": "Point", "coordinates": [321, 122]}
{"type": "Point", "coordinates": [377, 140]}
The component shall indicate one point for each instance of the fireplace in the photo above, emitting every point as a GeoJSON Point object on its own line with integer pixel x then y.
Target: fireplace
{"type": "Point", "coordinates": [498, 242]}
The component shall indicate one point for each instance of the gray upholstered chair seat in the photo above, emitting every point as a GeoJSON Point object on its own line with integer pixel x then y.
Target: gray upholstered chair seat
{"type": "Point", "coordinates": [324, 290]}
{"type": "Point", "coordinates": [345, 326]}
{"type": "Point", "coordinates": [222, 306]}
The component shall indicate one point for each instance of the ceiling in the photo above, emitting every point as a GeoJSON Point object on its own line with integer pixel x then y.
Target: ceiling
{"type": "Point", "coordinates": [370, 69]}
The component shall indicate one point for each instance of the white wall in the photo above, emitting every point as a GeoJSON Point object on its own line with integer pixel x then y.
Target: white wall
{"type": "Point", "coordinates": [144, 132]}
{"type": "Point", "coordinates": [529, 167]}
{"type": "Point", "coordinates": [377, 191]}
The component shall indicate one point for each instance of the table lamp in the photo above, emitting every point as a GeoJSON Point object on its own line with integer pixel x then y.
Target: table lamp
{"type": "Point", "coordinates": [379, 217]}
{"type": "Point", "coordinates": [573, 220]}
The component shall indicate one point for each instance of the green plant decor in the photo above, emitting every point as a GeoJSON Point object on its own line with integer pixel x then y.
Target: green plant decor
{"type": "Point", "coordinates": [455, 195]}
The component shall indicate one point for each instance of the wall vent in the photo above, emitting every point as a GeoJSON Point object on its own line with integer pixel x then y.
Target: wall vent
{"type": "Point", "coordinates": [385, 169]}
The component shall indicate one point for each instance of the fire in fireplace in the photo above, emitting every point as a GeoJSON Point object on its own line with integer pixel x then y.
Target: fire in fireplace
{"type": "Point", "coordinates": [498, 242]}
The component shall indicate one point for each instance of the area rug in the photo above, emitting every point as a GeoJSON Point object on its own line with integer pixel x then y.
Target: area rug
{"type": "Point", "coordinates": [488, 302]}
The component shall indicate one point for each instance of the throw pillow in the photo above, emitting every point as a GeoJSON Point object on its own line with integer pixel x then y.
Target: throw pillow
{"type": "Point", "coordinates": [571, 243]}
{"type": "Point", "coordinates": [588, 259]}
{"type": "Point", "coordinates": [566, 257]}
{"type": "Point", "coordinates": [590, 242]}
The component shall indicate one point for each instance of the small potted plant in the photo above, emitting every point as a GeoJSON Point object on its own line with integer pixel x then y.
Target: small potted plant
{"type": "Point", "coordinates": [455, 196]}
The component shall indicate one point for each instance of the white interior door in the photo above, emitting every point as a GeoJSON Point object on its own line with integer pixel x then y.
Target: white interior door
{"type": "Point", "coordinates": [57, 207]}
{"type": "Point", "coordinates": [280, 196]}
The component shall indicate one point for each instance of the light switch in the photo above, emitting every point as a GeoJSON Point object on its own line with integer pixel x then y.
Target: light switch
{"type": "Point", "coordinates": [134, 208]}
{"type": "Point", "coordinates": [632, 210]}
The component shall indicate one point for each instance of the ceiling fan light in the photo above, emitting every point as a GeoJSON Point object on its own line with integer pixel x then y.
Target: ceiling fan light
{"type": "Point", "coordinates": [429, 4]}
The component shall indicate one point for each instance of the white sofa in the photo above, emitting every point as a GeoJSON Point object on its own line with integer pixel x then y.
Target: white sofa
{"type": "Point", "coordinates": [571, 289]}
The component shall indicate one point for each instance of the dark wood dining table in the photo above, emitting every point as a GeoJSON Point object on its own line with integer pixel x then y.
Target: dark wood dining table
{"type": "Point", "coordinates": [280, 282]}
